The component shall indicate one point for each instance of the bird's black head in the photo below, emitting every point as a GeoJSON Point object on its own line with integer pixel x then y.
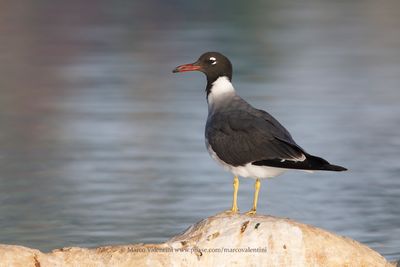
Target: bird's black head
{"type": "Point", "coordinates": [212, 64]}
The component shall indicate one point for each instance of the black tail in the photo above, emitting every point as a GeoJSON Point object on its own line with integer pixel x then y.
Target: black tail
{"type": "Point", "coordinates": [310, 163]}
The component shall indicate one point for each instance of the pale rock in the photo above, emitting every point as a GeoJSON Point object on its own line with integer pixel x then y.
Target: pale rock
{"type": "Point", "coordinates": [220, 240]}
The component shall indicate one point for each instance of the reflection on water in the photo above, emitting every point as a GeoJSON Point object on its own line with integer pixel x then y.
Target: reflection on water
{"type": "Point", "coordinates": [101, 144]}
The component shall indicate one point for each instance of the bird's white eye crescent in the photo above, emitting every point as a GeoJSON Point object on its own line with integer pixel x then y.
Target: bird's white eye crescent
{"type": "Point", "coordinates": [214, 60]}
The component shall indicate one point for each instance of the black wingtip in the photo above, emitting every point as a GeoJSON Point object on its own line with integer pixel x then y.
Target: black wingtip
{"type": "Point", "coordinates": [335, 168]}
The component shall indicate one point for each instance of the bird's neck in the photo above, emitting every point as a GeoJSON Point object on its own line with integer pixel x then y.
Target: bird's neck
{"type": "Point", "coordinates": [219, 90]}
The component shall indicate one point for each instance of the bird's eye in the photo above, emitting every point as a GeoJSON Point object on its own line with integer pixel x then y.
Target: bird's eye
{"type": "Point", "coordinates": [212, 60]}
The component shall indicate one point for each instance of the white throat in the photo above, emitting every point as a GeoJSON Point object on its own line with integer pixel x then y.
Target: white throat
{"type": "Point", "coordinates": [220, 89]}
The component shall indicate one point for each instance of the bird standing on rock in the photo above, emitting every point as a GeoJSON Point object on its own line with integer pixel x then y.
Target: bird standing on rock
{"type": "Point", "coordinates": [246, 141]}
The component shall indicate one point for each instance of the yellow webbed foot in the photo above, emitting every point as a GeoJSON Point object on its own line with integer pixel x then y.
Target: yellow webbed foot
{"type": "Point", "coordinates": [233, 210]}
{"type": "Point", "coordinates": [251, 212]}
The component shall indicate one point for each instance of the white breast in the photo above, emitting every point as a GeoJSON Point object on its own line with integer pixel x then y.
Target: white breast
{"type": "Point", "coordinates": [220, 89]}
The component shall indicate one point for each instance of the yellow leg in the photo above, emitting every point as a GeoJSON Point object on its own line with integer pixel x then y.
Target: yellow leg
{"type": "Point", "coordinates": [234, 208]}
{"type": "Point", "coordinates": [257, 186]}
{"type": "Point", "coordinates": [235, 191]}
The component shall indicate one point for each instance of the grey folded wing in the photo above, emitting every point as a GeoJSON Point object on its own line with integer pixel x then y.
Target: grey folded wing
{"type": "Point", "coordinates": [239, 137]}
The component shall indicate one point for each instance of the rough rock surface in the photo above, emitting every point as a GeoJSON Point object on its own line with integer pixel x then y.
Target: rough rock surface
{"type": "Point", "coordinates": [220, 240]}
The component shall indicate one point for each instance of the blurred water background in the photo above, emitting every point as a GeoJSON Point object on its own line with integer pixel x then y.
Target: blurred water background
{"type": "Point", "coordinates": [101, 144]}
